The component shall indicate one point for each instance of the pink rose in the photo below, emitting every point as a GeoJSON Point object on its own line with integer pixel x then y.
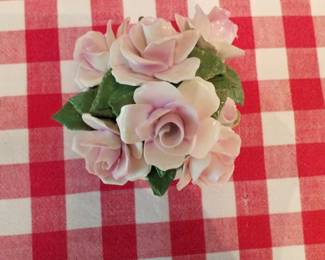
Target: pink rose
{"type": "Point", "coordinates": [171, 121]}
{"type": "Point", "coordinates": [217, 31]}
{"type": "Point", "coordinates": [229, 115]}
{"type": "Point", "coordinates": [106, 156]}
{"type": "Point", "coordinates": [152, 49]}
{"type": "Point", "coordinates": [92, 55]}
{"type": "Point", "coordinates": [216, 166]}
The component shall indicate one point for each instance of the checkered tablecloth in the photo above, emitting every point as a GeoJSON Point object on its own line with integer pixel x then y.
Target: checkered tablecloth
{"type": "Point", "coordinates": [274, 208]}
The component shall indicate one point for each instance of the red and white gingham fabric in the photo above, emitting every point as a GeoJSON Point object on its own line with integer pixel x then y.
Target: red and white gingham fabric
{"type": "Point", "coordinates": [274, 208]}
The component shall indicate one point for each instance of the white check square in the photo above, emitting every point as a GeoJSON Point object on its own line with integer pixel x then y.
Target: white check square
{"type": "Point", "coordinates": [278, 128]}
{"type": "Point", "coordinates": [12, 15]}
{"type": "Point", "coordinates": [14, 146]}
{"type": "Point", "coordinates": [133, 9]}
{"type": "Point", "coordinates": [68, 136]}
{"type": "Point", "coordinates": [150, 208]}
{"type": "Point", "coordinates": [289, 252]}
{"type": "Point", "coordinates": [317, 7]}
{"type": "Point", "coordinates": [321, 60]}
{"type": "Point", "coordinates": [213, 201]}
{"type": "Point", "coordinates": [266, 8]}
{"type": "Point", "coordinates": [68, 70]}
{"type": "Point", "coordinates": [206, 6]}
{"type": "Point", "coordinates": [13, 79]}
{"type": "Point", "coordinates": [283, 195]}
{"type": "Point", "coordinates": [74, 13]}
{"type": "Point", "coordinates": [83, 210]}
{"type": "Point", "coordinates": [15, 217]}
{"type": "Point", "coordinates": [272, 64]}
{"type": "Point", "coordinates": [230, 255]}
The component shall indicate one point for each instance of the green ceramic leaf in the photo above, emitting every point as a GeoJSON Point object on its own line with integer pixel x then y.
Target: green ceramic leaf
{"type": "Point", "coordinates": [83, 101]}
{"type": "Point", "coordinates": [70, 117]}
{"type": "Point", "coordinates": [100, 106]}
{"type": "Point", "coordinates": [159, 182]}
{"type": "Point", "coordinates": [210, 64]}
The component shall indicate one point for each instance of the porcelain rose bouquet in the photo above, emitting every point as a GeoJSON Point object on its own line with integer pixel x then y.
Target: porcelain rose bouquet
{"type": "Point", "coordinates": [157, 103]}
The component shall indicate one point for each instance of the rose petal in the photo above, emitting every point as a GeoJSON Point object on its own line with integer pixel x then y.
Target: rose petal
{"type": "Point", "coordinates": [154, 156]}
{"type": "Point", "coordinates": [157, 29]}
{"type": "Point", "coordinates": [136, 150]}
{"type": "Point", "coordinates": [96, 61]}
{"type": "Point", "coordinates": [189, 116]}
{"type": "Point", "coordinates": [137, 37]}
{"type": "Point", "coordinates": [184, 175]}
{"type": "Point", "coordinates": [146, 129]}
{"type": "Point", "coordinates": [170, 130]}
{"type": "Point", "coordinates": [100, 124]}
{"type": "Point", "coordinates": [197, 166]}
{"type": "Point", "coordinates": [86, 78]}
{"type": "Point", "coordinates": [91, 42]}
{"type": "Point", "coordinates": [182, 149]}
{"type": "Point", "coordinates": [138, 63]}
{"type": "Point", "coordinates": [124, 75]}
{"type": "Point", "coordinates": [130, 117]}
{"type": "Point", "coordinates": [207, 135]}
{"type": "Point", "coordinates": [109, 34]}
{"type": "Point", "coordinates": [123, 28]}
{"type": "Point", "coordinates": [229, 114]}
{"type": "Point", "coordinates": [185, 44]}
{"type": "Point", "coordinates": [202, 95]}
{"type": "Point", "coordinates": [228, 144]}
{"type": "Point", "coordinates": [161, 51]}
{"type": "Point", "coordinates": [181, 22]}
{"type": "Point", "coordinates": [179, 72]}
{"type": "Point", "coordinates": [86, 140]}
{"type": "Point", "coordinates": [157, 94]}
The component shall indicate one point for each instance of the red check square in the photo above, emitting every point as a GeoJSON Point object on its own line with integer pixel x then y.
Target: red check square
{"type": "Point", "coordinates": [116, 236]}
{"type": "Point", "coordinates": [37, 41]}
{"type": "Point", "coordinates": [302, 99]}
{"type": "Point", "coordinates": [51, 245]}
{"type": "Point", "coordinates": [41, 108]}
{"type": "Point", "coordinates": [187, 237]}
{"type": "Point", "coordinates": [299, 37]}
{"type": "Point", "coordinates": [250, 158]}
{"type": "Point", "coordinates": [310, 159]}
{"type": "Point", "coordinates": [245, 38]}
{"type": "Point", "coordinates": [47, 178]}
{"type": "Point", "coordinates": [314, 223]}
{"type": "Point", "coordinates": [254, 232]}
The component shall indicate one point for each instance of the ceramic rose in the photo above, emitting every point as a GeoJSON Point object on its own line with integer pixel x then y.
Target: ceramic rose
{"type": "Point", "coordinates": [92, 55]}
{"type": "Point", "coordinates": [106, 156]}
{"type": "Point", "coordinates": [153, 50]}
{"type": "Point", "coordinates": [170, 121]}
{"type": "Point", "coordinates": [217, 31]}
{"type": "Point", "coordinates": [217, 166]}
{"type": "Point", "coordinates": [229, 115]}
